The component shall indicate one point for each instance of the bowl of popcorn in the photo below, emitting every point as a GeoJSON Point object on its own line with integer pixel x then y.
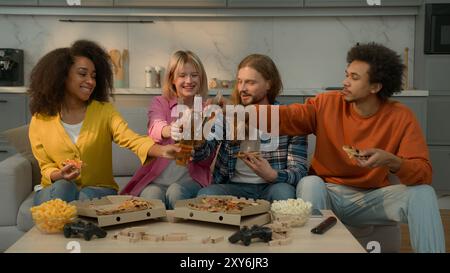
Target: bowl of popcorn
{"type": "Point", "coordinates": [296, 212]}
{"type": "Point", "coordinates": [51, 216]}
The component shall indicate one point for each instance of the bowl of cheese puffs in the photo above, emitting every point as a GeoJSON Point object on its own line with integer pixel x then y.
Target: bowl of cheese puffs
{"type": "Point", "coordinates": [51, 216]}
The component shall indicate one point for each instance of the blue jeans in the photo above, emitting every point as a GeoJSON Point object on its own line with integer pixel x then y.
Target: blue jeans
{"type": "Point", "coordinates": [415, 205]}
{"type": "Point", "coordinates": [170, 194]}
{"type": "Point", "coordinates": [267, 191]}
{"type": "Point", "coordinates": [68, 191]}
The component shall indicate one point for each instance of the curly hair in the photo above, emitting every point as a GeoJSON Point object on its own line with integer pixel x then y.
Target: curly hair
{"type": "Point", "coordinates": [49, 75]}
{"type": "Point", "coordinates": [385, 66]}
{"type": "Point", "coordinates": [268, 70]}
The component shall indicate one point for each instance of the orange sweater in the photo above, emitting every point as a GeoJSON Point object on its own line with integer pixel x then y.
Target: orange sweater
{"type": "Point", "coordinates": [393, 128]}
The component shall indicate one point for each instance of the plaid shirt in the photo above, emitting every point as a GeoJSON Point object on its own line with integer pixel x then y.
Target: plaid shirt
{"type": "Point", "coordinates": [290, 158]}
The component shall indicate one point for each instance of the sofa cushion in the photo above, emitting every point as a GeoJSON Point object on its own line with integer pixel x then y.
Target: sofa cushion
{"type": "Point", "coordinates": [24, 219]}
{"type": "Point", "coordinates": [8, 236]}
{"type": "Point", "coordinates": [122, 181]}
{"type": "Point", "coordinates": [18, 138]}
{"type": "Point", "coordinates": [125, 162]}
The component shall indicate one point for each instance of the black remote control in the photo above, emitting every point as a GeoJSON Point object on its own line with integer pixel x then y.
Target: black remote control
{"type": "Point", "coordinates": [325, 225]}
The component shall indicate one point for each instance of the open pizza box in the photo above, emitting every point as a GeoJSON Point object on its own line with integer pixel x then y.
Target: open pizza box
{"type": "Point", "coordinates": [106, 212]}
{"type": "Point", "coordinates": [254, 214]}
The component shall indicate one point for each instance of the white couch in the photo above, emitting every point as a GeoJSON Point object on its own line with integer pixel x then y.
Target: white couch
{"type": "Point", "coordinates": [18, 175]}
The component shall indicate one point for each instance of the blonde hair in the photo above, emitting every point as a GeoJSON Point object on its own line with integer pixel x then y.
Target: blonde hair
{"type": "Point", "coordinates": [268, 70]}
{"type": "Point", "coordinates": [177, 60]}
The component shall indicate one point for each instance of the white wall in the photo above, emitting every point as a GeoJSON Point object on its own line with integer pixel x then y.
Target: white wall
{"type": "Point", "coordinates": [309, 51]}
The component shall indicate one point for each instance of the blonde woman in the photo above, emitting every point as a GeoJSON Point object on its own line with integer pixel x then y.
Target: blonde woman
{"type": "Point", "coordinates": [163, 179]}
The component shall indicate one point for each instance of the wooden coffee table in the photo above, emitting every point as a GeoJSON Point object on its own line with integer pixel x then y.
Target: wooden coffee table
{"type": "Point", "coordinates": [337, 239]}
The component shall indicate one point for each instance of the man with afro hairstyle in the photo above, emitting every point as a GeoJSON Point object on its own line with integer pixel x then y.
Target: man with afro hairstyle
{"type": "Point", "coordinates": [390, 144]}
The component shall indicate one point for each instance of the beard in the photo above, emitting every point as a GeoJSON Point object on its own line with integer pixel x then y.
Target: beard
{"type": "Point", "coordinates": [251, 100]}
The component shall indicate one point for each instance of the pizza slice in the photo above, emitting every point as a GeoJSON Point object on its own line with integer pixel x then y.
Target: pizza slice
{"type": "Point", "coordinates": [244, 154]}
{"type": "Point", "coordinates": [129, 205]}
{"type": "Point", "coordinates": [353, 152]}
{"type": "Point", "coordinates": [226, 205]}
{"type": "Point", "coordinates": [78, 164]}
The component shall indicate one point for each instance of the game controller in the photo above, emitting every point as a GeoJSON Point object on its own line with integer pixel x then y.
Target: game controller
{"type": "Point", "coordinates": [87, 229]}
{"type": "Point", "coordinates": [246, 234]}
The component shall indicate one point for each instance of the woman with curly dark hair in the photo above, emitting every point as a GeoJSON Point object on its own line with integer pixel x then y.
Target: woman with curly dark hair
{"type": "Point", "coordinates": [73, 124]}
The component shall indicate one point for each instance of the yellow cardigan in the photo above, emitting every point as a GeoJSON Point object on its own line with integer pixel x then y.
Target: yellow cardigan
{"type": "Point", "coordinates": [102, 124]}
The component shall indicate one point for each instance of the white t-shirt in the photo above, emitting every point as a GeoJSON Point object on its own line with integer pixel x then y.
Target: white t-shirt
{"type": "Point", "coordinates": [243, 174]}
{"type": "Point", "coordinates": [173, 173]}
{"type": "Point", "coordinates": [73, 130]}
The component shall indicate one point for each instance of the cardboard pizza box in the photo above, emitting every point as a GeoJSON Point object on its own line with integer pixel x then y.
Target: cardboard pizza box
{"type": "Point", "coordinates": [248, 216]}
{"type": "Point", "coordinates": [88, 208]}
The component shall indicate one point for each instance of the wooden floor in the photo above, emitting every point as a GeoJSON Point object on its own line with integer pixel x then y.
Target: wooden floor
{"type": "Point", "coordinates": [406, 246]}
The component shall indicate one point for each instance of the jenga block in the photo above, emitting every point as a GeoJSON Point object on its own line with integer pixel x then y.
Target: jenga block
{"type": "Point", "coordinates": [216, 239]}
{"type": "Point", "coordinates": [138, 229]}
{"type": "Point", "coordinates": [124, 232]}
{"type": "Point", "coordinates": [133, 240]}
{"type": "Point", "coordinates": [128, 231]}
{"type": "Point", "coordinates": [121, 237]}
{"type": "Point", "coordinates": [280, 242]}
{"type": "Point", "coordinates": [277, 236]}
{"type": "Point", "coordinates": [206, 240]}
{"type": "Point", "coordinates": [137, 235]}
{"type": "Point", "coordinates": [175, 237]}
{"type": "Point", "coordinates": [286, 241]}
{"type": "Point", "coordinates": [152, 237]}
{"type": "Point", "coordinates": [278, 226]}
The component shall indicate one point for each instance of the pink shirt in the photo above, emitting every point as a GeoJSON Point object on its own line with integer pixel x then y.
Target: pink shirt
{"type": "Point", "coordinates": [159, 115]}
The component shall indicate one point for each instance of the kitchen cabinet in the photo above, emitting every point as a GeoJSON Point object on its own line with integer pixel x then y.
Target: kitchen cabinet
{"type": "Point", "coordinates": [264, 3]}
{"type": "Point", "coordinates": [290, 99]}
{"type": "Point", "coordinates": [419, 107]}
{"type": "Point", "coordinates": [171, 3]}
{"type": "Point", "coordinates": [18, 2]}
{"type": "Point", "coordinates": [436, 72]}
{"type": "Point", "coordinates": [84, 3]}
{"type": "Point", "coordinates": [13, 113]}
{"type": "Point", "coordinates": [360, 3]}
{"type": "Point", "coordinates": [440, 161]}
{"type": "Point", "coordinates": [438, 124]}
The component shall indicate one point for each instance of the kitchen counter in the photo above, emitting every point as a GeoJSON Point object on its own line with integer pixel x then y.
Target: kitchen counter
{"type": "Point", "coordinates": [13, 89]}
{"type": "Point", "coordinates": [157, 91]}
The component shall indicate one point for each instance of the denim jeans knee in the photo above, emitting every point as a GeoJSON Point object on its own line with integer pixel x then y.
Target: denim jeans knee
{"type": "Point", "coordinates": [154, 191]}
{"type": "Point", "coordinates": [181, 191]}
{"type": "Point", "coordinates": [95, 192]}
{"type": "Point", "coordinates": [216, 189]}
{"type": "Point", "coordinates": [313, 189]}
{"type": "Point", "coordinates": [279, 191]}
{"type": "Point", "coordinates": [62, 189]}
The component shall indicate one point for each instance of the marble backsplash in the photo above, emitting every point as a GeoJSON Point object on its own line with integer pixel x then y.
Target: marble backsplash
{"type": "Point", "coordinates": [310, 52]}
